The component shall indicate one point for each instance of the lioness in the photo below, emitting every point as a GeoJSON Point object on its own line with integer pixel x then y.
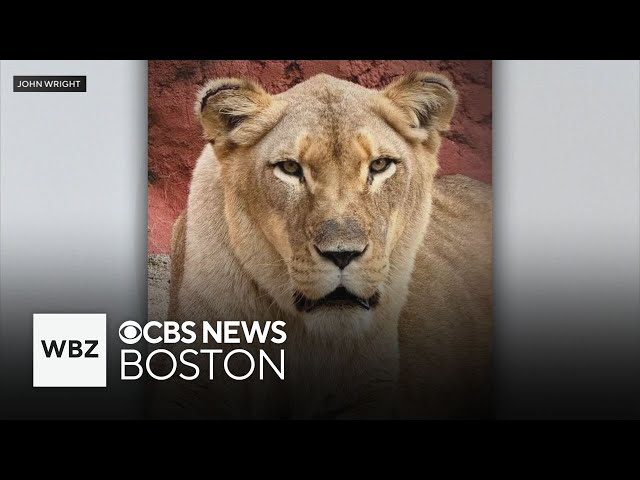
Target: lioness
{"type": "Point", "coordinates": [320, 207]}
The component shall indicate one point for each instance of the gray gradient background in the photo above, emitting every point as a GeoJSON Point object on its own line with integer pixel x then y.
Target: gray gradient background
{"type": "Point", "coordinates": [566, 170]}
{"type": "Point", "coordinates": [73, 213]}
{"type": "Point", "coordinates": [73, 210]}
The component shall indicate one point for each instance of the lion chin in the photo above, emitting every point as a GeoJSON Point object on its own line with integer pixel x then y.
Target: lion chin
{"type": "Point", "coordinates": [344, 321]}
{"type": "Point", "coordinates": [320, 206]}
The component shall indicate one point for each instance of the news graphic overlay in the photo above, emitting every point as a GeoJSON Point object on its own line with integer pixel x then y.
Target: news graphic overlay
{"type": "Point", "coordinates": [179, 346]}
{"type": "Point", "coordinates": [69, 350]}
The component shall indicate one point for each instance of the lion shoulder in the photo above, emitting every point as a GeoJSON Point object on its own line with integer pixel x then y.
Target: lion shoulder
{"type": "Point", "coordinates": [178, 243]}
{"type": "Point", "coordinates": [445, 327]}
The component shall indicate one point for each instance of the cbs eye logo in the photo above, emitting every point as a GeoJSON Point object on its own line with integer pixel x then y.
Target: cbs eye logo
{"type": "Point", "coordinates": [130, 332]}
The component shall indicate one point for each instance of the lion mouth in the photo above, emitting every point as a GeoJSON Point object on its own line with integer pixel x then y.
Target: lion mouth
{"type": "Point", "coordinates": [339, 297]}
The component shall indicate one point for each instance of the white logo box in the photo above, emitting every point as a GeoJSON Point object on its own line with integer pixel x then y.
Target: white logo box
{"type": "Point", "coordinates": [75, 359]}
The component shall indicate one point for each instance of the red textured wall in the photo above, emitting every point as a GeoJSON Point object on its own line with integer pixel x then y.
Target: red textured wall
{"type": "Point", "coordinates": [175, 139]}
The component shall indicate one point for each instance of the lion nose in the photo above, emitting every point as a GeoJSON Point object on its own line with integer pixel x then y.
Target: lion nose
{"type": "Point", "coordinates": [341, 258]}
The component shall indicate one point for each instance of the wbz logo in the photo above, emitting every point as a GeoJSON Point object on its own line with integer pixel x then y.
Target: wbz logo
{"type": "Point", "coordinates": [74, 350]}
{"type": "Point", "coordinates": [69, 350]}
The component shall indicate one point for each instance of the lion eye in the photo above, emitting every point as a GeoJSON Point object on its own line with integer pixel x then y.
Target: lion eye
{"type": "Point", "coordinates": [380, 165]}
{"type": "Point", "coordinates": [290, 167]}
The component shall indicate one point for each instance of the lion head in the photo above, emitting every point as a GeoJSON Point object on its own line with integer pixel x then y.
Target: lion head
{"type": "Point", "coordinates": [323, 183]}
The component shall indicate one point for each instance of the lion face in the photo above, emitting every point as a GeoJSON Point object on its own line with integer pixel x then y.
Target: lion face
{"type": "Point", "coordinates": [329, 173]}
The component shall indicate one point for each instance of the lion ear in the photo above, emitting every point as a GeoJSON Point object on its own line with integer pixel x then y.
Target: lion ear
{"type": "Point", "coordinates": [224, 105]}
{"type": "Point", "coordinates": [428, 98]}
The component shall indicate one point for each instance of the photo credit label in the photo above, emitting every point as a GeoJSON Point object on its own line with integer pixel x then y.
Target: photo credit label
{"type": "Point", "coordinates": [55, 83]}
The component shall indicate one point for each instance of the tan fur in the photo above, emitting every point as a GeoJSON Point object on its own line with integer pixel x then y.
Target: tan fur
{"type": "Point", "coordinates": [445, 327]}
{"type": "Point", "coordinates": [247, 245]}
{"type": "Point", "coordinates": [178, 236]}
